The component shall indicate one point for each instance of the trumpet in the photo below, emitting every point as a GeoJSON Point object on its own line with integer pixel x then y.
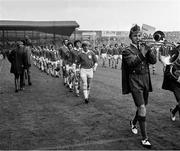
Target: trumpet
{"type": "Point", "coordinates": [169, 54]}
{"type": "Point", "coordinates": [158, 40]}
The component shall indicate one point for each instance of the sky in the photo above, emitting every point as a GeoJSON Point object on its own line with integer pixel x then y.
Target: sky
{"type": "Point", "coordinates": [118, 15]}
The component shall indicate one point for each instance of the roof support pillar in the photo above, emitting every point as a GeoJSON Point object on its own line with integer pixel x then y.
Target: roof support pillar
{"type": "Point", "coordinates": [75, 34]}
{"type": "Point", "coordinates": [54, 38]}
{"type": "Point", "coordinates": [3, 39]}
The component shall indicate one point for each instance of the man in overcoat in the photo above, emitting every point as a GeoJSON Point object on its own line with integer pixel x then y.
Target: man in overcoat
{"type": "Point", "coordinates": [27, 59]}
{"type": "Point", "coordinates": [16, 58]}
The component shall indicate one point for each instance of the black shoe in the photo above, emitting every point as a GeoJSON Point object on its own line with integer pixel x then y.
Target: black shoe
{"type": "Point", "coordinates": [70, 90]}
{"type": "Point", "coordinates": [86, 101]}
{"type": "Point", "coordinates": [16, 91]}
{"type": "Point", "coordinates": [30, 83]}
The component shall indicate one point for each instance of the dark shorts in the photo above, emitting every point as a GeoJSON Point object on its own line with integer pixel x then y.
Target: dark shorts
{"type": "Point", "coordinates": [139, 85]}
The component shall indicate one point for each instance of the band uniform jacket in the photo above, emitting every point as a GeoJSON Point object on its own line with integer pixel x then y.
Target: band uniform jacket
{"type": "Point", "coordinates": [134, 62]}
{"type": "Point", "coordinates": [169, 82]}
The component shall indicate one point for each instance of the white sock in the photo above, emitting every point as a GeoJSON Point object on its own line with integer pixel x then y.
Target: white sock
{"type": "Point", "coordinates": [85, 94]}
{"type": "Point", "coordinates": [88, 91]}
{"type": "Point", "coordinates": [70, 85]}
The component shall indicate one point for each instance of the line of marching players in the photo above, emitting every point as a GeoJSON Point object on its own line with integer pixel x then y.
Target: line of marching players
{"type": "Point", "coordinates": [49, 59]}
{"type": "Point", "coordinates": [75, 62]}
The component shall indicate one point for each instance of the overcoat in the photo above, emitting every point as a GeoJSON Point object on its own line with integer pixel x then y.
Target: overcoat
{"type": "Point", "coordinates": [16, 58]}
{"type": "Point", "coordinates": [27, 55]}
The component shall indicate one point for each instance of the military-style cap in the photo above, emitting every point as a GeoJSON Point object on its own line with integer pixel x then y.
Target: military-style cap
{"type": "Point", "coordinates": [135, 29]}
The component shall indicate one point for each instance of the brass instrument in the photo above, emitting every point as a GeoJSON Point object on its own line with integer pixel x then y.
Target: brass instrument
{"type": "Point", "coordinates": [158, 40]}
{"type": "Point", "coordinates": [167, 50]}
{"type": "Point", "coordinates": [169, 53]}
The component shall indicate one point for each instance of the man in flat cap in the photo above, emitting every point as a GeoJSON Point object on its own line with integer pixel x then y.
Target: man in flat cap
{"type": "Point", "coordinates": [136, 79]}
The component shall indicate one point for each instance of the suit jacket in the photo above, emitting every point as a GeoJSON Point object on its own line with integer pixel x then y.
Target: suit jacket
{"type": "Point", "coordinates": [134, 62]}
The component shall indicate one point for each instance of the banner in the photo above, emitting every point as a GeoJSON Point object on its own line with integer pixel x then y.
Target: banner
{"type": "Point", "coordinates": [88, 33]}
{"type": "Point", "coordinates": [148, 31]}
{"type": "Point", "coordinates": [108, 34]}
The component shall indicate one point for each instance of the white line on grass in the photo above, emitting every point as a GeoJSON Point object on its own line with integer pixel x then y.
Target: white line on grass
{"type": "Point", "coordinates": [98, 142]}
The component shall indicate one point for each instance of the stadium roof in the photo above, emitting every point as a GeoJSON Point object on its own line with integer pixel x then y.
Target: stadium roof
{"type": "Point", "coordinates": [58, 27]}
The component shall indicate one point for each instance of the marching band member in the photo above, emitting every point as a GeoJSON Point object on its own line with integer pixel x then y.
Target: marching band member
{"type": "Point", "coordinates": [171, 81]}
{"type": "Point", "coordinates": [88, 64]}
{"type": "Point", "coordinates": [136, 79]}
